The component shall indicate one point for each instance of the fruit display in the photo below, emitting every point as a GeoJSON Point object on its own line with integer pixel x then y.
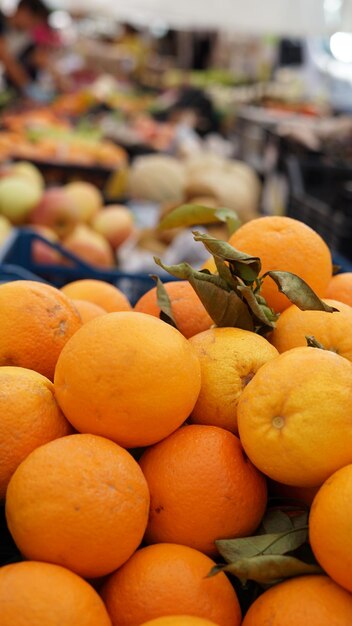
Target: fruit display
{"type": "Point", "coordinates": [169, 181]}
{"type": "Point", "coordinates": [184, 460]}
{"type": "Point", "coordinates": [72, 215]}
{"type": "Point", "coordinates": [44, 136]}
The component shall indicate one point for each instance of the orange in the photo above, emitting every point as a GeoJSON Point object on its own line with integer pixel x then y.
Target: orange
{"type": "Point", "coordinates": [285, 244]}
{"type": "Point", "coordinates": [340, 288]}
{"type": "Point", "coordinates": [330, 526]}
{"type": "Point", "coordinates": [103, 294]}
{"type": "Point", "coordinates": [80, 501]}
{"type": "Point", "coordinates": [202, 488]}
{"type": "Point", "coordinates": [332, 330]}
{"type": "Point", "coordinates": [88, 310]}
{"type": "Point", "coordinates": [179, 620]}
{"type": "Point", "coordinates": [295, 416]}
{"type": "Point", "coordinates": [311, 600]}
{"type": "Point", "coordinates": [36, 321]}
{"type": "Point", "coordinates": [210, 265]}
{"type": "Point", "coordinates": [189, 313]}
{"type": "Point", "coordinates": [229, 358]}
{"type": "Point", "coordinates": [30, 416]}
{"type": "Point", "coordinates": [42, 594]}
{"type": "Point", "coordinates": [129, 377]}
{"type": "Point", "coordinates": [167, 579]}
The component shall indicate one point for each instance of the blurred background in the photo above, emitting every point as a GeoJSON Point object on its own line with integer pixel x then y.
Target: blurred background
{"type": "Point", "coordinates": [243, 105]}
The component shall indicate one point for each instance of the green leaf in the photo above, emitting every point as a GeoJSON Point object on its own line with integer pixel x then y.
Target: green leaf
{"type": "Point", "coordinates": [164, 302]}
{"type": "Point", "coordinates": [298, 292]}
{"type": "Point", "coordinates": [193, 214]}
{"type": "Point", "coordinates": [273, 543]}
{"type": "Point", "coordinates": [225, 273]}
{"type": "Point", "coordinates": [243, 265]}
{"type": "Point", "coordinates": [268, 569]}
{"type": "Point", "coordinates": [225, 307]}
{"type": "Point", "coordinates": [299, 521]}
{"type": "Point", "coordinates": [265, 316]}
{"type": "Point", "coordinates": [184, 271]}
{"type": "Point", "coordinates": [230, 217]}
{"type": "Point", "coordinates": [276, 521]}
{"type": "Point", "coordinates": [312, 342]}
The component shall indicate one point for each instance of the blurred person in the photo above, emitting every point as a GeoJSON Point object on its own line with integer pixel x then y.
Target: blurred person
{"type": "Point", "coordinates": [132, 43]}
{"type": "Point", "coordinates": [23, 69]}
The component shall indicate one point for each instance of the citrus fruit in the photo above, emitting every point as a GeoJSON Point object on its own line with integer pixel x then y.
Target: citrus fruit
{"type": "Point", "coordinates": [36, 321]}
{"type": "Point", "coordinates": [88, 310]}
{"type": "Point", "coordinates": [340, 288]}
{"type": "Point", "coordinates": [103, 294]}
{"type": "Point", "coordinates": [313, 600]}
{"type": "Point", "coordinates": [166, 579]}
{"type": "Point", "coordinates": [80, 501]}
{"type": "Point", "coordinates": [188, 311]}
{"type": "Point", "coordinates": [42, 594]}
{"type": "Point", "coordinates": [30, 416]}
{"type": "Point", "coordinates": [129, 377]}
{"type": "Point", "coordinates": [210, 265]}
{"type": "Point", "coordinates": [179, 620]}
{"type": "Point", "coordinates": [295, 416]}
{"type": "Point", "coordinates": [332, 330]}
{"type": "Point", "coordinates": [285, 244]}
{"type": "Point", "coordinates": [229, 358]}
{"type": "Point", "coordinates": [330, 526]}
{"type": "Point", "coordinates": [202, 488]}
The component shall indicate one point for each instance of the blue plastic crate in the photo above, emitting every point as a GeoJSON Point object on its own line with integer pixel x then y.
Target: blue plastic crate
{"type": "Point", "coordinates": [16, 262]}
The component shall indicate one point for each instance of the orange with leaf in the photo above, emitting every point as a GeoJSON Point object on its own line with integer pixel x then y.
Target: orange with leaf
{"type": "Point", "coordinates": [333, 332]}
{"type": "Point", "coordinates": [188, 312]}
{"type": "Point", "coordinates": [234, 295]}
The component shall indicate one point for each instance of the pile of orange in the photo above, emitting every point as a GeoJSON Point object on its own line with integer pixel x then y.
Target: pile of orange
{"type": "Point", "coordinates": [129, 447]}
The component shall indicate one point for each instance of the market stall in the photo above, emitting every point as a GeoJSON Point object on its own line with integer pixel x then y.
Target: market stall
{"type": "Point", "coordinates": [175, 313]}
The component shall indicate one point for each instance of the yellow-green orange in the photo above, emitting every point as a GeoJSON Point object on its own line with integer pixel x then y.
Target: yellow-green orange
{"type": "Point", "coordinates": [229, 358]}
{"type": "Point", "coordinates": [295, 416]}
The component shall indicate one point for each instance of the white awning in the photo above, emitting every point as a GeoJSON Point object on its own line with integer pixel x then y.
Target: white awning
{"type": "Point", "coordinates": [283, 17]}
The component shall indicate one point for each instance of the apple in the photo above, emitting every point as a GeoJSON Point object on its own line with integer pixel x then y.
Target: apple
{"type": "Point", "coordinates": [28, 171]}
{"type": "Point", "coordinates": [18, 196]}
{"type": "Point", "coordinates": [57, 211]}
{"type": "Point", "coordinates": [115, 223]}
{"type": "Point", "coordinates": [87, 199]}
{"type": "Point", "coordinates": [90, 246]}
{"type": "Point", "coordinates": [41, 252]}
{"type": "Point", "coordinates": [5, 228]}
